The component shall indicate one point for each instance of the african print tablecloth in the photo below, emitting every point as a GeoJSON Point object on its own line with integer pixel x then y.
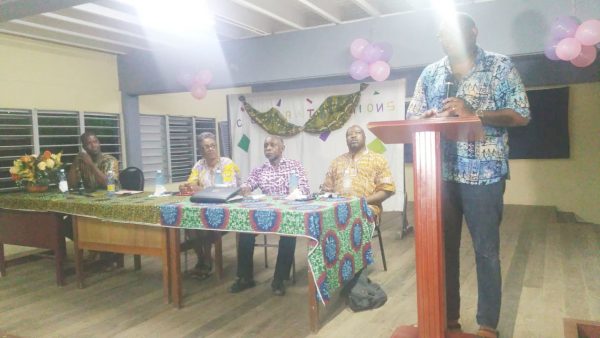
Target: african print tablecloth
{"type": "Point", "coordinates": [339, 229]}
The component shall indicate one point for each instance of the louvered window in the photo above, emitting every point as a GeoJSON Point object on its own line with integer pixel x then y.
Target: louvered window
{"type": "Point", "coordinates": [168, 143]}
{"type": "Point", "coordinates": [33, 132]}
{"type": "Point", "coordinates": [224, 139]}
{"type": "Point", "coordinates": [154, 146]}
{"type": "Point", "coordinates": [16, 139]}
{"type": "Point", "coordinates": [182, 147]}
{"type": "Point", "coordinates": [59, 131]}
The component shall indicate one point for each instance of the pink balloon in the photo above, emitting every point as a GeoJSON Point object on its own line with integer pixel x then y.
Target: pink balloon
{"type": "Point", "coordinates": [586, 57]}
{"type": "Point", "coordinates": [359, 70]}
{"type": "Point", "coordinates": [588, 32]}
{"type": "Point", "coordinates": [379, 70]}
{"type": "Point", "coordinates": [204, 77]}
{"type": "Point", "coordinates": [357, 46]}
{"type": "Point", "coordinates": [371, 53]}
{"type": "Point", "coordinates": [564, 27]}
{"type": "Point", "coordinates": [567, 49]}
{"type": "Point", "coordinates": [198, 91]}
{"type": "Point", "coordinates": [550, 50]}
{"type": "Point", "coordinates": [185, 80]}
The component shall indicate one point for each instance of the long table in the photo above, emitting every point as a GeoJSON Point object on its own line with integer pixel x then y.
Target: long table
{"type": "Point", "coordinates": [339, 230]}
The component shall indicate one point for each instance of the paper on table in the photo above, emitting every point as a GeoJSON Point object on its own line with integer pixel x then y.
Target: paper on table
{"type": "Point", "coordinates": [128, 192]}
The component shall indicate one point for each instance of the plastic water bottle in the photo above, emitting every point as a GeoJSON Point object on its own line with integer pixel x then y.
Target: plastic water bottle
{"type": "Point", "coordinates": [63, 186]}
{"type": "Point", "coordinates": [293, 183]}
{"type": "Point", "coordinates": [80, 186]}
{"type": "Point", "coordinates": [159, 183]}
{"type": "Point", "coordinates": [218, 177]}
{"type": "Point", "coordinates": [110, 184]}
{"type": "Point", "coordinates": [347, 183]}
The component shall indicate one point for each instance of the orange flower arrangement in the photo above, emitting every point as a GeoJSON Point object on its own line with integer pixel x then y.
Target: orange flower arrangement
{"type": "Point", "coordinates": [36, 170]}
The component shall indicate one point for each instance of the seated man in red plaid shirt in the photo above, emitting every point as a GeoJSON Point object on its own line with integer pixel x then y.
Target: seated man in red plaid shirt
{"type": "Point", "coordinates": [273, 178]}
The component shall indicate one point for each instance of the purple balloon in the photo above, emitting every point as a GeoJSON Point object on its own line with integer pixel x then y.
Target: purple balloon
{"type": "Point", "coordinates": [386, 51]}
{"type": "Point", "coordinates": [359, 70]}
{"type": "Point", "coordinates": [371, 53]}
{"type": "Point", "coordinates": [550, 50]}
{"type": "Point", "coordinates": [564, 27]}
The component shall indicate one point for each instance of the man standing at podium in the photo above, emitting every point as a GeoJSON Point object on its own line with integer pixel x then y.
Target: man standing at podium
{"type": "Point", "coordinates": [472, 82]}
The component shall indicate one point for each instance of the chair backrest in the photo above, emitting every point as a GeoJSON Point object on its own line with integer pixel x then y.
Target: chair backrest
{"type": "Point", "coordinates": [131, 178]}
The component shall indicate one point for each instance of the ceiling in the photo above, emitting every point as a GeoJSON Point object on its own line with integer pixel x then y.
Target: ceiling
{"type": "Point", "coordinates": [113, 26]}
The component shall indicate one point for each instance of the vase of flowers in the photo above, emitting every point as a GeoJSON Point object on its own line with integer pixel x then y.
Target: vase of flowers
{"type": "Point", "coordinates": [35, 173]}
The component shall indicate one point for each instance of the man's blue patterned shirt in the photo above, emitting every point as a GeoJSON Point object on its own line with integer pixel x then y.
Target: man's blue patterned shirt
{"type": "Point", "coordinates": [492, 84]}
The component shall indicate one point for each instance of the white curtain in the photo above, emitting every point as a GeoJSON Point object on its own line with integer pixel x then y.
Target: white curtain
{"type": "Point", "coordinates": [380, 101]}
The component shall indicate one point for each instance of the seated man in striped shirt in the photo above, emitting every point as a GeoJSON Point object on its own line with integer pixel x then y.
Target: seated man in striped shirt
{"type": "Point", "coordinates": [273, 179]}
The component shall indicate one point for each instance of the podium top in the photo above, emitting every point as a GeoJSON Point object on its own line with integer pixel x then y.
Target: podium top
{"type": "Point", "coordinates": [451, 128]}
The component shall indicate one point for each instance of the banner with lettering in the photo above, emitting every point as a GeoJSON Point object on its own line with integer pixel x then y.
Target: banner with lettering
{"type": "Point", "coordinates": [293, 109]}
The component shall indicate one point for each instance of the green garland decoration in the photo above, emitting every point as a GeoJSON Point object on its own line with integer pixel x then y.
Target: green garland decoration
{"type": "Point", "coordinates": [331, 115]}
{"type": "Point", "coordinates": [272, 120]}
{"type": "Point", "coordinates": [334, 112]}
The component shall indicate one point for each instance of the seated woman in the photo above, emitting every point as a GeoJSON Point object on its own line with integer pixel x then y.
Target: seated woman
{"type": "Point", "coordinates": [202, 176]}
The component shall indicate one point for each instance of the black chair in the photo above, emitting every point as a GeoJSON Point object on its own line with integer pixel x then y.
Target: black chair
{"type": "Point", "coordinates": [378, 235]}
{"type": "Point", "coordinates": [131, 178]}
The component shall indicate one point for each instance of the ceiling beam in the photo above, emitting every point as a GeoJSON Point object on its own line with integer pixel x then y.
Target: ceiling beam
{"type": "Point", "coordinates": [276, 11]}
{"type": "Point", "coordinates": [94, 28]}
{"type": "Point", "coordinates": [69, 33]}
{"type": "Point", "coordinates": [241, 17]}
{"type": "Point", "coordinates": [324, 9]}
{"type": "Point", "coordinates": [17, 9]}
{"type": "Point", "coordinates": [53, 37]}
{"type": "Point", "coordinates": [367, 7]}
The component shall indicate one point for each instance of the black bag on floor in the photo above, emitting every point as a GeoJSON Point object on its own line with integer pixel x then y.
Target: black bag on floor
{"type": "Point", "coordinates": [364, 294]}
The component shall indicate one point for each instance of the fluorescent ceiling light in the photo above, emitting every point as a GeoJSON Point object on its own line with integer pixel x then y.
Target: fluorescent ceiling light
{"type": "Point", "coordinates": [181, 17]}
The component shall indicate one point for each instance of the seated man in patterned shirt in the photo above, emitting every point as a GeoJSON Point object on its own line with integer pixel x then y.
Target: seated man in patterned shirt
{"type": "Point", "coordinates": [273, 179]}
{"type": "Point", "coordinates": [360, 172]}
{"type": "Point", "coordinates": [91, 165]}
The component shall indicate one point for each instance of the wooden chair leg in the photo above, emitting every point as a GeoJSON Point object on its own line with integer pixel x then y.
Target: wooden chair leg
{"type": "Point", "coordinates": [2, 261]}
{"type": "Point", "coordinates": [137, 262]}
{"type": "Point", "coordinates": [219, 256]}
{"type": "Point", "coordinates": [294, 269]}
{"type": "Point", "coordinates": [78, 255]}
{"type": "Point", "coordinates": [265, 247]}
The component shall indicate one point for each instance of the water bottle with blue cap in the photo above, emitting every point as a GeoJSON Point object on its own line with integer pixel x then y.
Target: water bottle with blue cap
{"type": "Point", "coordinates": [293, 182]}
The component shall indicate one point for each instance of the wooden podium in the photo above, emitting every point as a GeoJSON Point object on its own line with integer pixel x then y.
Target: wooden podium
{"type": "Point", "coordinates": [425, 136]}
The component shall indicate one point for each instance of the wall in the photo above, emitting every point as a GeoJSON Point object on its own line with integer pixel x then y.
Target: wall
{"type": "Point", "coordinates": [183, 104]}
{"type": "Point", "coordinates": [570, 184]}
{"type": "Point", "coordinates": [48, 76]}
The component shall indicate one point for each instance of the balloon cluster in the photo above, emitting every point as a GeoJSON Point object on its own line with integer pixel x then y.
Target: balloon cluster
{"type": "Point", "coordinates": [574, 42]}
{"type": "Point", "coordinates": [371, 60]}
{"type": "Point", "coordinates": [197, 84]}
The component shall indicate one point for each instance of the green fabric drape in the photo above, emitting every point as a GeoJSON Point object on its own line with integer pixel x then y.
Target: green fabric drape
{"type": "Point", "coordinates": [334, 112]}
{"type": "Point", "coordinates": [272, 120]}
{"type": "Point", "coordinates": [331, 115]}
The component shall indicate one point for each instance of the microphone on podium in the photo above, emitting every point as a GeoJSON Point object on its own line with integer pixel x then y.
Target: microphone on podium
{"type": "Point", "coordinates": [450, 86]}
